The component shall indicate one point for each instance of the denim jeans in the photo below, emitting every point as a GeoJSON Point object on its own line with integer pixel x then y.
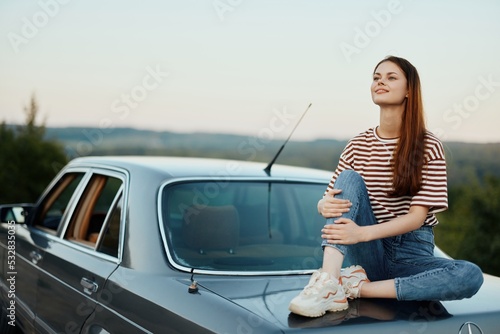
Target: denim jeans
{"type": "Point", "coordinates": [408, 259]}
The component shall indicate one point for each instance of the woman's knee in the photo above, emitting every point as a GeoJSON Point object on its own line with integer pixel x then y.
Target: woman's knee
{"type": "Point", "coordinates": [476, 278]}
{"type": "Point", "coordinates": [349, 175]}
{"type": "Point", "coordinates": [472, 279]}
{"type": "Point", "coordinates": [349, 180]}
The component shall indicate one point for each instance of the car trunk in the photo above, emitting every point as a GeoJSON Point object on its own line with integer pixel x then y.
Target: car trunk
{"type": "Point", "coordinates": [268, 297]}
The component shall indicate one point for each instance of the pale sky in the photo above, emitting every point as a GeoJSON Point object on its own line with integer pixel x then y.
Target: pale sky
{"type": "Point", "coordinates": [247, 67]}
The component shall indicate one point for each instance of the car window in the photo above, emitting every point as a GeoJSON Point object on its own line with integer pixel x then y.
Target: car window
{"type": "Point", "coordinates": [109, 243]}
{"type": "Point", "coordinates": [92, 209]}
{"type": "Point", "coordinates": [243, 226]}
{"type": "Point", "coordinates": [54, 205]}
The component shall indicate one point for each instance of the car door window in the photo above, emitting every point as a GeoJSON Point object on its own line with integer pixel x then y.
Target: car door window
{"type": "Point", "coordinates": [109, 239]}
{"type": "Point", "coordinates": [92, 209]}
{"type": "Point", "coordinates": [56, 202]}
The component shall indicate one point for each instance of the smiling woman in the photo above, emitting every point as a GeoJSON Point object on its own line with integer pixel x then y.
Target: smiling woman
{"type": "Point", "coordinates": [380, 207]}
{"type": "Point", "coordinates": [389, 85]}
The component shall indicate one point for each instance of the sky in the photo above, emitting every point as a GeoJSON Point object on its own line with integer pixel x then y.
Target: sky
{"type": "Point", "coordinates": [248, 67]}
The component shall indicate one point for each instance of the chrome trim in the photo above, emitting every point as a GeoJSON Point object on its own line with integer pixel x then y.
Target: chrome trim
{"type": "Point", "coordinates": [89, 286]}
{"type": "Point", "coordinates": [125, 176]}
{"type": "Point", "coordinates": [63, 171]}
{"type": "Point", "coordinates": [243, 178]}
{"type": "Point", "coordinates": [225, 179]}
{"type": "Point", "coordinates": [116, 172]}
{"type": "Point", "coordinates": [63, 226]}
{"type": "Point", "coordinates": [86, 249]}
{"type": "Point", "coordinates": [80, 247]}
{"type": "Point", "coordinates": [469, 329]}
{"type": "Point", "coordinates": [105, 305]}
{"type": "Point", "coordinates": [116, 200]}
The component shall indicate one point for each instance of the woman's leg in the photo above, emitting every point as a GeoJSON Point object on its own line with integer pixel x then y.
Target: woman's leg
{"type": "Point", "coordinates": [332, 261]}
{"type": "Point", "coordinates": [378, 289]}
{"type": "Point", "coordinates": [402, 267]}
{"type": "Point", "coordinates": [370, 255]}
{"type": "Point", "coordinates": [325, 292]}
{"type": "Point", "coordinates": [419, 275]}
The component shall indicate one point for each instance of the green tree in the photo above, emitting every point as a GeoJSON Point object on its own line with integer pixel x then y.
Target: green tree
{"type": "Point", "coordinates": [483, 237]}
{"type": "Point", "coordinates": [28, 161]}
{"type": "Point", "coordinates": [470, 229]}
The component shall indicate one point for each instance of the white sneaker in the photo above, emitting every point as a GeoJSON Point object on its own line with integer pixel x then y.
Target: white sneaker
{"type": "Point", "coordinates": [320, 295]}
{"type": "Point", "coordinates": [352, 278]}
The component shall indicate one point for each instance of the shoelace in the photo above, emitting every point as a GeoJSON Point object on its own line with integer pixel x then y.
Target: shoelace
{"type": "Point", "coordinates": [313, 287]}
{"type": "Point", "coordinates": [350, 290]}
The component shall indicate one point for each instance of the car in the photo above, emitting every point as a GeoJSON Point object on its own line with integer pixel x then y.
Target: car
{"type": "Point", "coordinates": [137, 244]}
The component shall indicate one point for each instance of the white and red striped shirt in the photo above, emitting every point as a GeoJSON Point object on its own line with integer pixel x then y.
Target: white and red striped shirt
{"type": "Point", "coordinates": [371, 156]}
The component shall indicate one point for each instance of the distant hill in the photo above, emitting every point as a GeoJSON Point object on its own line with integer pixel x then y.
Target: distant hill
{"type": "Point", "coordinates": [80, 141]}
{"type": "Point", "coordinates": [466, 161]}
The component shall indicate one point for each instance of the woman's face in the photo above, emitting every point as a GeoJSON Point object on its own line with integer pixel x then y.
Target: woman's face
{"type": "Point", "coordinates": [389, 86]}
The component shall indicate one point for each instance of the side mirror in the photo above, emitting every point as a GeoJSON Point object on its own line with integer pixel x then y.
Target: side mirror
{"type": "Point", "coordinates": [15, 212]}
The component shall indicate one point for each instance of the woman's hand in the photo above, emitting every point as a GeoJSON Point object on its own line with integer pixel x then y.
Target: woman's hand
{"type": "Point", "coordinates": [331, 207]}
{"type": "Point", "coordinates": [343, 232]}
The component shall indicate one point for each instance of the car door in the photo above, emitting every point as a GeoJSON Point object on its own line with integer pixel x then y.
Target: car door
{"type": "Point", "coordinates": [72, 272]}
{"type": "Point", "coordinates": [31, 243]}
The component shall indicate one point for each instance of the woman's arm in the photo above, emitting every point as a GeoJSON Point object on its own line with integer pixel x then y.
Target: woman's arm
{"type": "Point", "coordinates": [347, 232]}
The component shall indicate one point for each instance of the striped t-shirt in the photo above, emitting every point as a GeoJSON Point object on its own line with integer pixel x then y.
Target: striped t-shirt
{"type": "Point", "coordinates": [370, 156]}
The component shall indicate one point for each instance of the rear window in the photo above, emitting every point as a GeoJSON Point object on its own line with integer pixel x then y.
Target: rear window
{"type": "Point", "coordinates": [243, 226]}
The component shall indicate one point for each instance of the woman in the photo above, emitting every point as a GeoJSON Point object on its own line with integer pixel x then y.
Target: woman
{"type": "Point", "coordinates": [380, 207]}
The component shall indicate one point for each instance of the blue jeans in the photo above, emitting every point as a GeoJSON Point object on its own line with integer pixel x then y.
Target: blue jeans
{"type": "Point", "coordinates": [408, 259]}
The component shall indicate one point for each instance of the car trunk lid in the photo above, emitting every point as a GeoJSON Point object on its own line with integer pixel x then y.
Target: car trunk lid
{"type": "Point", "coordinates": [268, 298]}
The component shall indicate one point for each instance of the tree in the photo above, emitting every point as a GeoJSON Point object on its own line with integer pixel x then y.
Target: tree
{"type": "Point", "coordinates": [483, 241]}
{"type": "Point", "coordinates": [28, 161]}
{"type": "Point", "coordinates": [470, 230]}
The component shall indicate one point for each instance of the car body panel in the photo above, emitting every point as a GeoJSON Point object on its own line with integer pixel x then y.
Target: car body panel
{"type": "Point", "coordinates": [62, 270]}
{"type": "Point", "coordinates": [269, 297]}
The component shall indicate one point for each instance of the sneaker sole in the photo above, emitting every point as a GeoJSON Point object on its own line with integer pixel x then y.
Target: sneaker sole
{"type": "Point", "coordinates": [339, 306]}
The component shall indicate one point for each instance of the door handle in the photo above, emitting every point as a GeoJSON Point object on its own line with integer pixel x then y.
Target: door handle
{"type": "Point", "coordinates": [89, 286]}
{"type": "Point", "coordinates": [35, 256]}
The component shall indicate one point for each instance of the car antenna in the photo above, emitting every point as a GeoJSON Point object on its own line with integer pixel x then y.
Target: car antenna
{"type": "Point", "coordinates": [270, 165]}
{"type": "Point", "coordinates": [193, 288]}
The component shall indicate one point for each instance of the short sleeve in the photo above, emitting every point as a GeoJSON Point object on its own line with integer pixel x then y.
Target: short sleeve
{"type": "Point", "coordinates": [434, 190]}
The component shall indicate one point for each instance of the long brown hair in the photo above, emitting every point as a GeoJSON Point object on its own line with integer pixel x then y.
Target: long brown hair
{"type": "Point", "coordinates": [409, 152]}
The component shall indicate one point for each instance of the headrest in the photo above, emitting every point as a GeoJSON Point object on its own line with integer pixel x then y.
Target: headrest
{"type": "Point", "coordinates": [211, 227]}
